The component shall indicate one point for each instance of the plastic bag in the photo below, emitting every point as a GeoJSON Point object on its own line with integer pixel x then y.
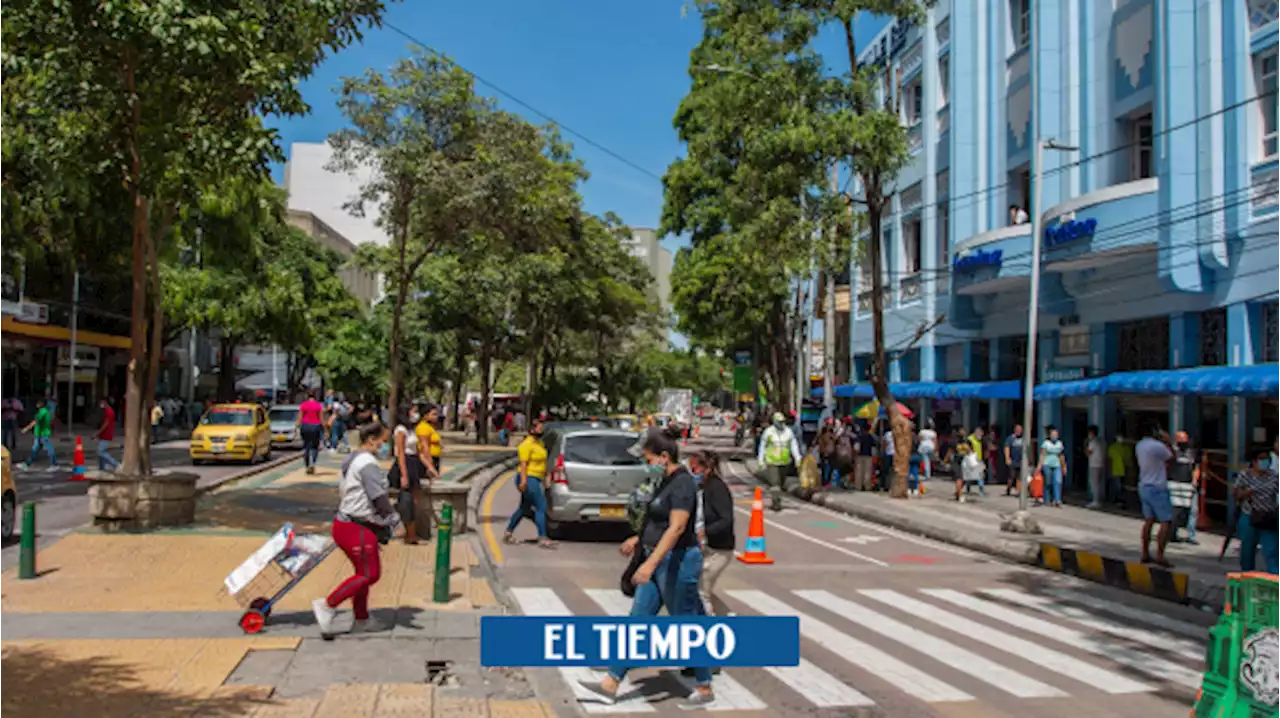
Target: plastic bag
{"type": "Point", "coordinates": [810, 474]}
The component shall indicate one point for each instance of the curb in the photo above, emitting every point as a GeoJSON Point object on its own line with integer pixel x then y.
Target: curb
{"type": "Point", "coordinates": [247, 473]}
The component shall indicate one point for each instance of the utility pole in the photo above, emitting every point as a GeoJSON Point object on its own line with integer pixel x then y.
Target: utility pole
{"type": "Point", "coordinates": [71, 359]}
{"type": "Point", "coordinates": [829, 322]}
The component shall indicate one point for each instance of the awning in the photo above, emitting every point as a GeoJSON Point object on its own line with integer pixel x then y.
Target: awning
{"type": "Point", "coordinates": [1077, 387]}
{"type": "Point", "coordinates": [1254, 380]}
{"type": "Point", "coordinates": [936, 390]}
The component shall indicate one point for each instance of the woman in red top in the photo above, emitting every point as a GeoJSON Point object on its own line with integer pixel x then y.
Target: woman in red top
{"type": "Point", "coordinates": [311, 427]}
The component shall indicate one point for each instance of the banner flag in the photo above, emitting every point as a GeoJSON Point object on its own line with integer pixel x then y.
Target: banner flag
{"type": "Point", "coordinates": [639, 641]}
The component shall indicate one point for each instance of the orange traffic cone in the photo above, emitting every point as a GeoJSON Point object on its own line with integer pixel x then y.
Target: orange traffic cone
{"type": "Point", "coordinates": [77, 461]}
{"type": "Point", "coordinates": [755, 551]}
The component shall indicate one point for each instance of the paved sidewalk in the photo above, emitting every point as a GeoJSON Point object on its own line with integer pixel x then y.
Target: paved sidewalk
{"type": "Point", "coordinates": [138, 624]}
{"type": "Point", "coordinates": [1093, 544]}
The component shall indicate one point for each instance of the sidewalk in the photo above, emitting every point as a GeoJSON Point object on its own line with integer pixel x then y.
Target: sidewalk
{"type": "Point", "coordinates": [138, 624]}
{"type": "Point", "coordinates": [1092, 544]}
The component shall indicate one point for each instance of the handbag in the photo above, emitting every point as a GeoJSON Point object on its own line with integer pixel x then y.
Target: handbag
{"type": "Point", "coordinates": [1265, 519]}
{"type": "Point", "coordinates": [628, 588]}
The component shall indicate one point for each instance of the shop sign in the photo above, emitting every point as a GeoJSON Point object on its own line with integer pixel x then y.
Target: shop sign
{"type": "Point", "coordinates": [87, 357]}
{"type": "Point", "coordinates": [29, 312]}
{"type": "Point", "coordinates": [742, 357]}
{"type": "Point", "coordinates": [1069, 231]}
{"type": "Point", "coordinates": [978, 259]}
{"type": "Point", "coordinates": [1063, 373]}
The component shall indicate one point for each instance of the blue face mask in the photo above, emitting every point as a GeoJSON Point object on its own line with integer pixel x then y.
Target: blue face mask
{"type": "Point", "coordinates": [1264, 464]}
{"type": "Point", "coordinates": [698, 478]}
{"type": "Point", "coordinates": [384, 451]}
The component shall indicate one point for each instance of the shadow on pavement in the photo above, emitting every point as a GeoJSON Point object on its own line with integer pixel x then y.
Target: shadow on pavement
{"type": "Point", "coordinates": [41, 683]}
{"type": "Point", "coordinates": [309, 506]}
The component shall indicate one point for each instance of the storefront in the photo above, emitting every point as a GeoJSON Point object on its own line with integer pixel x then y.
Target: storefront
{"type": "Point", "coordinates": [38, 364]}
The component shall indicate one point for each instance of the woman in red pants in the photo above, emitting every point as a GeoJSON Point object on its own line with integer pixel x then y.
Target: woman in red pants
{"type": "Point", "coordinates": [365, 519]}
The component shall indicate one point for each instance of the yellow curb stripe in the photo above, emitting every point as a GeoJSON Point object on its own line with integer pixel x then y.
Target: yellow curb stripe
{"type": "Point", "coordinates": [495, 549]}
{"type": "Point", "coordinates": [1051, 557]}
{"type": "Point", "coordinates": [1090, 565]}
{"type": "Point", "coordinates": [1139, 576]}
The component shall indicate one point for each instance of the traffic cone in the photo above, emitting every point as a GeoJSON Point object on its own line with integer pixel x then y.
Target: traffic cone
{"type": "Point", "coordinates": [77, 461]}
{"type": "Point", "coordinates": [755, 551]}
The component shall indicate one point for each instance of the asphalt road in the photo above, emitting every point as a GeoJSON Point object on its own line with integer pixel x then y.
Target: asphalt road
{"type": "Point", "coordinates": [891, 624]}
{"type": "Point", "coordinates": [63, 505]}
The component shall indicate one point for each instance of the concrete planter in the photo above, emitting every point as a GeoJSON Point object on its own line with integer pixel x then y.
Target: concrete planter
{"type": "Point", "coordinates": [130, 503]}
{"type": "Point", "coordinates": [455, 495]}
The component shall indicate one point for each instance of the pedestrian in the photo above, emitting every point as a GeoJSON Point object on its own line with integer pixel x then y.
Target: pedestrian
{"type": "Point", "coordinates": [41, 428]}
{"type": "Point", "coordinates": [1184, 477]}
{"type": "Point", "coordinates": [670, 564]}
{"type": "Point", "coordinates": [825, 443]}
{"type": "Point", "coordinates": [530, 478]}
{"type": "Point", "coordinates": [157, 416]}
{"type": "Point", "coordinates": [1255, 494]}
{"type": "Point", "coordinates": [1155, 455]}
{"type": "Point", "coordinates": [975, 468]}
{"type": "Point", "coordinates": [913, 466]}
{"type": "Point", "coordinates": [338, 424]}
{"type": "Point", "coordinates": [1095, 458]}
{"type": "Point", "coordinates": [997, 467]}
{"type": "Point", "coordinates": [778, 450]}
{"type": "Point", "coordinates": [429, 438]}
{"type": "Point", "coordinates": [106, 434]}
{"type": "Point", "coordinates": [407, 474]}
{"type": "Point", "coordinates": [1053, 466]}
{"type": "Point", "coordinates": [865, 463]}
{"type": "Point", "coordinates": [1013, 459]}
{"type": "Point", "coordinates": [364, 521]}
{"type": "Point", "coordinates": [310, 427]}
{"type": "Point", "coordinates": [960, 450]}
{"type": "Point", "coordinates": [508, 427]}
{"type": "Point", "coordinates": [715, 524]}
{"type": "Point", "coordinates": [1119, 457]}
{"type": "Point", "coordinates": [888, 449]}
{"type": "Point", "coordinates": [11, 410]}
{"type": "Point", "coordinates": [928, 438]}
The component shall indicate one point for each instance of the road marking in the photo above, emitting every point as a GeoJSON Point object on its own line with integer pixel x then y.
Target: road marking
{"type": "Point", "coordinates": [1153, 666]}
{"type": "Point", "coordinates": [877, 663]}
{"type": "Point", "coordinates": [939, 650]}
{"type": "Point", "coordinates": [544, 602]}
{"type": "Point", "coordinates": [1186, 628]}
{"type": "Point", "coordinates": [817, 541]}
{"type": "Point", "coordinates": [862, 540]}
{"type": "Point", "coordinates": [495, 549]}
{"type": "Point", "coordinates": [1084, 618]}
{"type": "Point", "coordinates": [730, 694]}
{"type": "Point", "coordinates": [1103, 679]}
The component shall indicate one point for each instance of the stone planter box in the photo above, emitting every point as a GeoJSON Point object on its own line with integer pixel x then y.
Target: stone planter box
{"type": "Point", "coordinates": [454, 494]}
{"type": "Point", "coordinates": [130, 503]}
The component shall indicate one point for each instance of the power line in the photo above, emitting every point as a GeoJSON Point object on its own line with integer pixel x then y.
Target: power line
{"type": "Point", "coordinates": [522, 103]}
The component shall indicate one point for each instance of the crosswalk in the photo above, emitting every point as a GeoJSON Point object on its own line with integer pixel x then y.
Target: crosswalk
{"type": "Point", "coordinates": [935, 645]}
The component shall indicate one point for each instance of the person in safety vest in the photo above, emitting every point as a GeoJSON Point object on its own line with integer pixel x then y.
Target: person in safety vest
{"type": "Point", "coordinates": [778, 449]}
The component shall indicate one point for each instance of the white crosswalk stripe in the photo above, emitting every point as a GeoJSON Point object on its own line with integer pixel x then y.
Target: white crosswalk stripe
{"type": "Point", "coordinates": [1060, 663]}
{"type": "Point", "coordinates": [544, 602]}
{"type": "Point", "coordinates": [962, 660]}
{"type": "Point", "coordinates": [1153, 666]}
{"type": "Point", "coordinates": [1084, 618]}
{"type": "Point", "coordinates": [1019, 624]}
{"type": "Point", "coordinates": [898, 673]}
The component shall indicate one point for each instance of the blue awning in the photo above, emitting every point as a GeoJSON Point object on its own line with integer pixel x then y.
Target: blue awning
{"type": "Point", "coordinates": [1254, 380]}
{"type": "Point", "coordinates": [1078, 387]}
{"type": "Point", "coordinates": [935, 390]}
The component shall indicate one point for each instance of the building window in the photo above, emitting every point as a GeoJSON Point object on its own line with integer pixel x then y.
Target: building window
{"type": "Point", "coordinates": [1020, 12]}
{"type": "Point", "coordinates": [1213, 337]}
{"type": "Point", "coordinates": [1270, 353]}
{"type": "Point", "coordinates": [944, 230]}
{"type": "Point", "coordinates": [1019, 196]}
{"type": "Point", "coordinates": [1142, 159]}
{"type": "Point", "coordinates": [1144, 344]}
{"type": "Point", "coordinates": [911, 247]}
{"type": "Point", "coordinates": [1265, 74]}
{"type": "Point", "coordinates": [944, 81]}
{"type": "Point", "coordinates": [912, 102]}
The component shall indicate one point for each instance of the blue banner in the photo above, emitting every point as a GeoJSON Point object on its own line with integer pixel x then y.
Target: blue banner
{"type": "Point", "coordinates": [658, 641]}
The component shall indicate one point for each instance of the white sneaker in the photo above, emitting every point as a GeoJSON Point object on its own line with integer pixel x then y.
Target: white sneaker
{"type": "Point", "coordinates": [324, 615]}
{"type": "Point", "coordinates": [23, 466]}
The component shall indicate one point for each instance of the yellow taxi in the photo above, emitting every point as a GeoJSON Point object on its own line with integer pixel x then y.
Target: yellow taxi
{"type": "Point", "coordinates": [232, 432]}
{"type": "Point", "coordinates": [8, 511]}
{"type": "Point", "coordinates": [629, 422]}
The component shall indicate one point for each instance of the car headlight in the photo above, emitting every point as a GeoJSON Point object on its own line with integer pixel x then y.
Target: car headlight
{"type": "Point", "coordinates": [242, 437]}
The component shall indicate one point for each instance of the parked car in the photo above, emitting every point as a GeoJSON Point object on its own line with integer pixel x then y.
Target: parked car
{"type": "Point", "coordinates": [284, 425]}
{"type": "Point", "coordinates": [235, 432]}
{"type": "Point", "coordinates": [9, 505]}
{"type": "Point", "coordinates": [593, 472]}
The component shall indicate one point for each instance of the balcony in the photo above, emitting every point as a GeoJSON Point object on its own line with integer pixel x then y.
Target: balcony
{"type": "Point", "coordinates": [864, 300]}
{"type": "Point", "coordinates": [944, 119]}
{"type": "Point", "coordinates": [1099, 228]}
{"type": "Point", "coordinates": [915, 137]}
{"type": "Point", "coordinates": [944, 33]}
{"type": "Point", "coordinates": [912, 61]}
{"type": "Point", "coordinates": [992, 261]}
{"type": "Point", "coordinates": [909, 289]}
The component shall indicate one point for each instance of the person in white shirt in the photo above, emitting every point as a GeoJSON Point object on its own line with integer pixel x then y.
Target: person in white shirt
{"type": "Point", "coordinates": [1155, 454]}
{"type": "Point", "coordinates": [1097, 457]}
{"type": "Point", "coordinates": [928, 448]}
{"type": "Point", "coordinates": [887, 450]}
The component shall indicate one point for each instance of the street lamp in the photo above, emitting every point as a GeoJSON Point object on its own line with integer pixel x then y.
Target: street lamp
{"type": "Point", "coordinates": [1033, 319]}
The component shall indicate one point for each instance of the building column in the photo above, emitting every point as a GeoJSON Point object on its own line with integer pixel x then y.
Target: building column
{"type": "Point", "coordinates": [1184, 351]}
{"type": "Point", "coordinates": [1242, 336]}
{"type": "Point", "coordinates": [1103, 350]}
{"type": "Point", "coordinates": [1048, 411]}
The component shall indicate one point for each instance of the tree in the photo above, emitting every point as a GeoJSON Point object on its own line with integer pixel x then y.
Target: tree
{"type": "Point", "coordinates": [164, 98]}
{"type": "Point", "coordinates": [355, 356]}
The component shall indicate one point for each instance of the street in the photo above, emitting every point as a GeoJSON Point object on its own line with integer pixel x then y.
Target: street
{"type": "Point", "coordinates": [891, 624]}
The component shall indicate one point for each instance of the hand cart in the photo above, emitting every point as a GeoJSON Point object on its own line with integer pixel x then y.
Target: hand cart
{"type": "Point", "coordinates": [272, 571]}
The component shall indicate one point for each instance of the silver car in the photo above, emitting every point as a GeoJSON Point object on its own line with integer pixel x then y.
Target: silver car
{"type": "Point", "coordinates": [284, 425]}
{"type": "Point", "coordinates": [592, 472]}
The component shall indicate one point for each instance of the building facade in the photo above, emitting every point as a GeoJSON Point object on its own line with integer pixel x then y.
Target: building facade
{"type": "Point", "coordinates": [647, 247]}
{"type": "Point", "coordinates": [1159, 232]}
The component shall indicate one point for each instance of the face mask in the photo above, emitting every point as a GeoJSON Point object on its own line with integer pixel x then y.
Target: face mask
{"type": "Point", "coordinates": [1264, 464]}
{"type": "Point", "coordinates": [384, 451]}
{"type": "Point", "coordinates": [1183, 444]}
{"type": "Point", "coordinates": [698, 478]}
{"type": "Point", "coordinates": [414, 418]}
{"type": "Point", "coordinates": [778, 424]}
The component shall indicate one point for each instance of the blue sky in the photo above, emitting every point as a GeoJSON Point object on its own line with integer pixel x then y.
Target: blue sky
{"type": "Point", "coordinates": [613, 71]}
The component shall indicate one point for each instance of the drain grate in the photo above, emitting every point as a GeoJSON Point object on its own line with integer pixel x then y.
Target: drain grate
{"type": "Point", "coordinates": [440, 673]}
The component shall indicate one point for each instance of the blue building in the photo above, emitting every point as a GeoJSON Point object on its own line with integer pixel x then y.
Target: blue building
{"type": "Point", "coordinates": [1160, 228]}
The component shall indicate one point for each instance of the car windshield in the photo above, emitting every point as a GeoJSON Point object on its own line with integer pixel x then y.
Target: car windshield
{"type": "Point", "coordinates": [601, 450]}
{"type": "Point", "coordinates": [283, 415]}
{"type": "Point", "coordinates": [228, 417]}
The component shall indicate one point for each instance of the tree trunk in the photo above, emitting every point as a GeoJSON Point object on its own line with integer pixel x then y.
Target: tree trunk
{"type": "Point", "coordinates": [459, 372]}
{"type": "Point", "coordinates": [227, 368]}
{"type": "Point", "coordinates": [482, 412]}
{"type": "Point", "coordinates": [880, 368]}
{"type": "Point", "coordinates": [136, 445]}
{"type": "Point", "coordinates": [402, 292]}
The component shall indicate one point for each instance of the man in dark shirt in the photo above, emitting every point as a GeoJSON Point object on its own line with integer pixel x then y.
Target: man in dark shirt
{"type": "Point", "coordinates": [862, 469]}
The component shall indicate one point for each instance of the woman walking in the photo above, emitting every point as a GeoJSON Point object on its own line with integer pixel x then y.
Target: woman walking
{"type": "Point", "coordinates": [529, 480]}
{"type": "Point", "coordinates": [310, 426]}
{"type": "Point", "coordinates": [407, 473]}
{"type": "Point", "coordinates": [715, 524]}
{"type": "Point", "coordinates": [1053, 465]}
{"type": "Point", "coordinates": [928, 438]}
{"type": "Point", "coordinates": [365, 519]}
{"type": "Point", "coordinates": [672, 561]}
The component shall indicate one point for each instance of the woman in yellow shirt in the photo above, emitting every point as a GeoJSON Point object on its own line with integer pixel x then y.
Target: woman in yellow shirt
{"type": "Point", "coordinates": [429, 446]}
{"type": "Point", "coordinates": [530, 480]}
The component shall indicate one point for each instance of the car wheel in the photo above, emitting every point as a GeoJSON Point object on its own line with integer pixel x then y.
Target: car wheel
{"type": "Point", "coordinates": [555, 530]}
{"type": "Point", "coordinates": [7, 510]}
{"type": "Point", "coordinates": [267, 456]}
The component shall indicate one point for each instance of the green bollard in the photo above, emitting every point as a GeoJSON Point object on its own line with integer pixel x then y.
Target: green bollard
{"type": "Point", "coordinates": [27, 543]}
{"type": "Point", "coordinates": [443, 549]}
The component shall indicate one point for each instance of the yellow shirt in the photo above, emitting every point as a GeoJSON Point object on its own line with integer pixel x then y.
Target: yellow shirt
{"type": "Point", "coordinates": [534, 456]}
{"type": "Point", "coordinates": [429, 437]}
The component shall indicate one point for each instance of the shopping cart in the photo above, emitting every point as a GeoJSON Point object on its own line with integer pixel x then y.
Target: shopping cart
{"type": "Point", "coordinates": [272, 571]}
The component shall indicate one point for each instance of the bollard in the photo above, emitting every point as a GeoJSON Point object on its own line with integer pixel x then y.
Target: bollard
{"type": "Point", "coordinates": [27, 543]}
{"type": "Point", "coordinates": [443, 549]}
